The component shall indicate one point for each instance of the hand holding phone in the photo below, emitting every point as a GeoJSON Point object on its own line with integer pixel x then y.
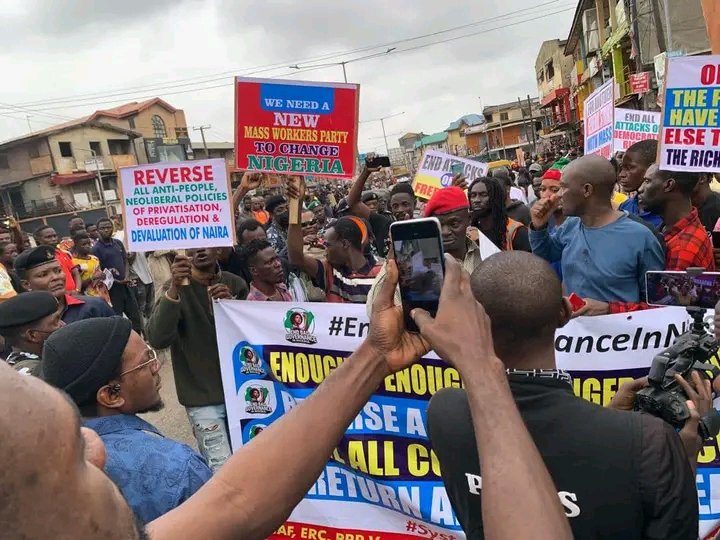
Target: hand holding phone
{"type": "Point", "coordinates": [576, 302]}
{"type": "Point", "coordinates": [418, 251]}
{"type": "Point", "coordinates": [377, 162]}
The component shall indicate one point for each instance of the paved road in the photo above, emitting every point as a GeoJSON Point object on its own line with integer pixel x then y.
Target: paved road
{"type": "Point", "coordinates": [172, 420]}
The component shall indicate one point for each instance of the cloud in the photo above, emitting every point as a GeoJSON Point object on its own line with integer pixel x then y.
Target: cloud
{"type": "Point", "coordinates": [67, 48]}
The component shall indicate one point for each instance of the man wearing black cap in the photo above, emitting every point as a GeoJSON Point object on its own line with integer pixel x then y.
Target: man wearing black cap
{"type": "Point", "coordinates": [277, 207]}
{"type": "Point", "coordinates": [112, 375]}
{"type": "Point", "coordinates": [26, 321]}
{"type": "Point", "coordinates": [39, 270]}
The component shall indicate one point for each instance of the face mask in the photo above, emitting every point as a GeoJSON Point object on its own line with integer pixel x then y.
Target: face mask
{"type": "Point", "coordinates": [284, 219]}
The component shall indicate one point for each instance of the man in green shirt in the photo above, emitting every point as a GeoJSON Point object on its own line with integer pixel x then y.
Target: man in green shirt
{"type": "Point", "coordinates": [182, 319]}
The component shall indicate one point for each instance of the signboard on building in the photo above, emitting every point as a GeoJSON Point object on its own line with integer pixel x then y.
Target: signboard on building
{"type": "Point", "coordinates": [434, 172]}
{"type": "Point", "coordinates": [94, 164]}
{"type": "Point", "coordinates": [296, 127]}
{"type": "Point", "coordinates": [632, 126]}
{"type": "Point", "coordinates": [690, 136]}
{"type": "Point", "coordinates": [640, 82]}
{"type": "Point", "coordinates": [599, 118]}
{"type": "Point", "coordinates": [177, 205]}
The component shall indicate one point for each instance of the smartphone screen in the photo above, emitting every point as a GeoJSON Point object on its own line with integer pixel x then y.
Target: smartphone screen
{"type": "Point", "coordinates": [457, 168]}
{"type": "Point", "coordinates": [377, 161]}
{"type": "Point", "coordinates": [419, 256]}
{"type": "Point", "coordinates": [683, 289]}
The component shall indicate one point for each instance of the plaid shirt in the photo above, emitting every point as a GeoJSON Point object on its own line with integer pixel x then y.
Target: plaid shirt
{"type": "Point", "coordinates": [687, 245]}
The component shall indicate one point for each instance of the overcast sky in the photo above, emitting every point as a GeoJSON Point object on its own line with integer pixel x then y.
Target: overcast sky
{"type": "Point", "coordinates": [52, 50]}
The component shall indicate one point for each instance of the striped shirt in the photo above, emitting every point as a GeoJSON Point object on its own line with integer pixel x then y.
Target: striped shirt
{"type": "Point", "coordinates": [351, 287]}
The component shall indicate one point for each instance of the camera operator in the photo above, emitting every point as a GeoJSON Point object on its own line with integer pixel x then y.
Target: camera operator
{"type": "Point", "coordinates": [619, 475]}
{"type": "Point", "coordinates": [699, 405]}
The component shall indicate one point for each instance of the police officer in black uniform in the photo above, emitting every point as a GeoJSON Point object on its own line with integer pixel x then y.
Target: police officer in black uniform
{"type": "Point", "coordinates": [26, 321]}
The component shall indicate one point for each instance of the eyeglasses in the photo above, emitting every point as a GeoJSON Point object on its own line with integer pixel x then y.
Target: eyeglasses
{"type": "Point", "coordinates": [153, 362]}
{"type": "Point", "coordinates": [309, 223]}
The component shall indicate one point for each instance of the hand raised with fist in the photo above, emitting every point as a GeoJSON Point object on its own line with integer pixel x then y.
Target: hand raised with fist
{"type": "Point", "coordinates": [542, 210]}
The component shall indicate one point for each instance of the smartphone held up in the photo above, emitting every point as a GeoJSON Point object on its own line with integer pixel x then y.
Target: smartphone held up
{"type": "Point", "coordinates": [684, 289]}
{"type": "Point", "coordinates": [419, 256]}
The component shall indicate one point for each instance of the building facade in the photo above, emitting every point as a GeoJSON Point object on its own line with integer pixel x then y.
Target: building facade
{"type": "Point", "coordinates": [457, 142]}
{"type": "Point", "coordinates": [553, 71]}
{"type": "Point", "coordinates": [509, 126]}
{"type": "Point", "coordinates": [59, 169]}
{"type": "Point", "coordinates": [163, 129]}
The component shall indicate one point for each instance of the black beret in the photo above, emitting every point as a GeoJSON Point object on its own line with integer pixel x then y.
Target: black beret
{"type": "Point", "coordinates": [26, 308]}
{"type": "Point", "coordinates": [82, 357]}
{"type": "Point", "coordinates": [369, 196]}
{"type": "Point", "coordinates": [274, 201]}
{"type": "Point", "coordinates": [30, 258]}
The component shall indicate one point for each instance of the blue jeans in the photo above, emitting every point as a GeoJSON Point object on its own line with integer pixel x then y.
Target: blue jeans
{"type": "Point", "coordinates": [209, 425]}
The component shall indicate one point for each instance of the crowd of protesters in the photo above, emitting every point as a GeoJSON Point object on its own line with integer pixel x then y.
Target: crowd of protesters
{"type": "Point", "coordinates": [96, 322]}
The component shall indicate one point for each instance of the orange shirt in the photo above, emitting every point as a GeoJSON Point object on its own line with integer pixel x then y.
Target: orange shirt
{"type": "Point", "coordinates": [262, 217]}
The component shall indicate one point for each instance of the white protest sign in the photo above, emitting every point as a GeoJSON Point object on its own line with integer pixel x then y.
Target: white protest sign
{"type": "Point", "coordinates": [632, 126]}
{"type": "Point", "coordinates": [435, 172]}
{"type": "Point", "coordinates": [598, 113]}
{"type": "Point", "coordinates": [690, 138]}
{"type": "Point", "coordinates": [274, 354]}
{"type": "Point", "coordinates": [177, 205]}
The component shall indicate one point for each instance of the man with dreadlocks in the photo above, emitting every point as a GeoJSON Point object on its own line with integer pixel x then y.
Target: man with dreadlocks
{"type": "Point", "coordinates": [489, 215]}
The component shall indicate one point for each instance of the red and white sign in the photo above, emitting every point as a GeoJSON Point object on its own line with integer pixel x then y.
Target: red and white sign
{"type": "Point", "coordinates": [296, 127]}
{"type": "Point", "coordinates": [640, 82]}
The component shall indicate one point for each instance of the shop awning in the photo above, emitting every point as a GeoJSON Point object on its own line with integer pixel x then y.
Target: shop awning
{"type": "Point", "coordinates": [556, 94]}
{"type": "Point", "coordinates": [67, 179]}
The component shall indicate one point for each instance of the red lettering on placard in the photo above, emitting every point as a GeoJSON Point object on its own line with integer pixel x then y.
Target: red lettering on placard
{"type": "Point", "coordinates": [710, 74]}
{"type": "Point", "coordinates": [174, 175]}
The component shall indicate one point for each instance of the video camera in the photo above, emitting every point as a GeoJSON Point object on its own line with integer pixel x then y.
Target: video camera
{"type": "Point", "coordinates": [690, 352]}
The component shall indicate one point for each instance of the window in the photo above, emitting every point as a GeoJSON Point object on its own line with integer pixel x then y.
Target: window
{"type": "Point", "coordinates": [131, 122]}
{"type": "Point", "coordinates": [65, 149]}
{"type": "Point", "coordinates": [504, 117]}
{"type": "Point", "coordinates": [95, 147]}
{"type": "Point", "coordinates": [4, 163]}
{"type": "Point", "coordinates": [550, 70]}
{"type": "Point", "coordinates": [158, 127]}
{"type": "Point", "coordinates": [34, 151]}
{"type": "Point", "coordinates": [118, 146]}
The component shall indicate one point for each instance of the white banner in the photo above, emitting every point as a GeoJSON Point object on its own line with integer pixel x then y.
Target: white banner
{"type": "Point", "coordinates": [177, 205]}
{"type": "Point", "coordinates": [275, 354]}
{"type": "Point", "coordinates": [632, 126]}
{"type": "Point", "coordinates": [598, 116]}
{"type": "Point", "coordinates": [691, 116]}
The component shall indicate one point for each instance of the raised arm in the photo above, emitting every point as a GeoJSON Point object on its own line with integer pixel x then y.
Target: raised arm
{"type": "Point", "coordinates": [248, 182]}
{"type": "Point", "coordinates": [231, 506]}
{"type": "Point", "coordinates": [295, 189]}
{"type": "Point", "coordinates": [354, 198]}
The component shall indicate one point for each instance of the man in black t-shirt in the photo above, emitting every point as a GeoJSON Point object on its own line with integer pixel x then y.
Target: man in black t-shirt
{"type": "Point", "coordinates": [619, 475]}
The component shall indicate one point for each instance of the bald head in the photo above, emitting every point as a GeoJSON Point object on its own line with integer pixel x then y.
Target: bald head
{"type": "Point", "coordinates": [49, 487]}
{"type": "Point", "coordinates": [523, 298]}
{"type": "Point", "coordinates": [588, 182]}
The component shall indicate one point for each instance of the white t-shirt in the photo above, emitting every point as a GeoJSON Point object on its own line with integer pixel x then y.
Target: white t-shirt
{"type": "Point", "coordinates": [518, 194]}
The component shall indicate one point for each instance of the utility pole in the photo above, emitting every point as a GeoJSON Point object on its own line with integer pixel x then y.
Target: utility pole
{"type": "Point", "coordinates": [502, 134]}
{"type": "Point", "coordinates": [387, 148]}
{"type": "Point", "coordinates": [202, 129]}
{"type": "Point", "coordinates": [532, 124]}
{"type": "Point", "coordinates": [668, 27]}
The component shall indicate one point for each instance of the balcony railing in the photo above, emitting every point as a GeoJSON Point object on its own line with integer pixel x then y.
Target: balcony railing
{"type": "Point", "coordinates": [44, 207]}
